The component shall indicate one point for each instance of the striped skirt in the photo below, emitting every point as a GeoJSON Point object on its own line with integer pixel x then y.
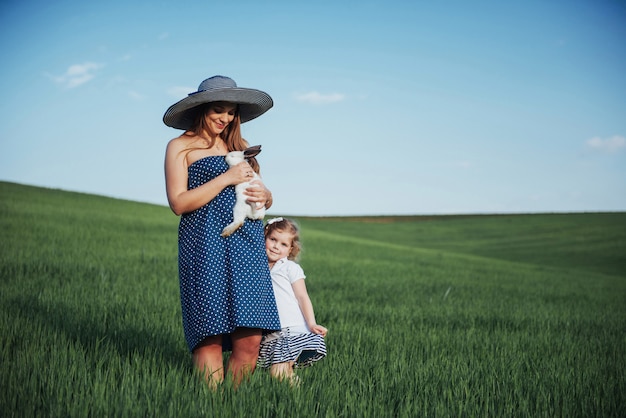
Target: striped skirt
{"type": "Point", "coordinates": [283, 346]}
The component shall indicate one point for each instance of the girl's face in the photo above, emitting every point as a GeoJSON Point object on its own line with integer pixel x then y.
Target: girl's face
{"type": "Point", "coordinates": [278, 245]}
{"type": "Point", "coordinates": [218, 117]}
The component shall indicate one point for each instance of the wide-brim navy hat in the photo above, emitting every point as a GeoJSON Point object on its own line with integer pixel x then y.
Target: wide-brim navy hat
{"type": "Point", "coordinates": [252, 103]}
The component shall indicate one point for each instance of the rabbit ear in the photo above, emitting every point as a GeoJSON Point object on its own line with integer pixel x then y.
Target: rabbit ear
{"type": "Point", "coordinates": [252, 151]}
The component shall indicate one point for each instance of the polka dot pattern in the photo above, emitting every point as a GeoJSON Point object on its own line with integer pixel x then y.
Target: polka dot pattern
{"type": "Point", "coordinates": [225, 283]}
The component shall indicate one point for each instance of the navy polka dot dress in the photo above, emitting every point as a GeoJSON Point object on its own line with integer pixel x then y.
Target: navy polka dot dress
{"type": "Point", "coordinates": [225, 283]}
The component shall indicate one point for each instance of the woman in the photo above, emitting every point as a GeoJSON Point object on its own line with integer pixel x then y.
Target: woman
{"type": "Point", "coordinates": [225, 285]}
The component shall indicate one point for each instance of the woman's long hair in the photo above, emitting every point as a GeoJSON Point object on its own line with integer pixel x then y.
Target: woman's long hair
{"type": "Point", "coordinates": [231, 135]}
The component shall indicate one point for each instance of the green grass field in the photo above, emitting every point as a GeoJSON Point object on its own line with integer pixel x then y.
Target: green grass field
{"type": "Point", "coordinates": [432, 316]}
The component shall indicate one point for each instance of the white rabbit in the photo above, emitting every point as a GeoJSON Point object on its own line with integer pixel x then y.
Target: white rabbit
{"type": "Point", "coordinates": [243, 209]}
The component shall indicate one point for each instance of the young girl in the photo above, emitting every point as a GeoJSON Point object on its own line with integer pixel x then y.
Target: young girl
{"type": "Point", "coordinates": [300, 342]}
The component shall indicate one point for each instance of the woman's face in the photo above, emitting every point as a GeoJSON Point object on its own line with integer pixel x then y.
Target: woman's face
{"type": "Point", "coordinates": [218, 117]}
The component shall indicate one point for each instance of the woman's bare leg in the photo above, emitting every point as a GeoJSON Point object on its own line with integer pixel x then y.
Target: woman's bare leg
{"type": "Point", "coordinates": [207, 357]}
{"type": "Point", "coordinates": [242, 361]}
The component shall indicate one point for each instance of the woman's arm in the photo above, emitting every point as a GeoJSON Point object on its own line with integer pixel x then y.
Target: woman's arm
{"type": "Point", "coordinates": [299, 289]}
{"type": "Point", "coordinates": [182, 200]}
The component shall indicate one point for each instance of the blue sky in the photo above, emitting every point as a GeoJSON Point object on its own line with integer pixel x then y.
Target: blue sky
{"type": "Point", "coordinates": [381, 107]}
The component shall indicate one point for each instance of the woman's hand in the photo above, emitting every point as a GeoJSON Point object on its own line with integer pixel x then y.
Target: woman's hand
{"type": "Point", "coordinates": [240, 173]}
{"type": "Point", "coordinates": [259, 195]}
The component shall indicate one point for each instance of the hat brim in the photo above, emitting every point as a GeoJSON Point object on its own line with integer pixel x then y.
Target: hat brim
{"type": "Point", "coordinates": [252, 104]}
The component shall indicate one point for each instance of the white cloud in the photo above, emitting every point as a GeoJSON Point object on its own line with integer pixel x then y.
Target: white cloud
{"type": "Point", "coordinates": [180, 92]}
{"type": "Point", "coordinates": [77, 74]}
{"type": "Point", "coordinates": [611, 144]}
{"type": "Point", "coordinates": [464, 164]}
{"type": "Point", "coordinates": [164, 35]}
{"type": "Point", "coordinates": [135, 96]}
{"type": "Point", "coordinates": [314, 97]}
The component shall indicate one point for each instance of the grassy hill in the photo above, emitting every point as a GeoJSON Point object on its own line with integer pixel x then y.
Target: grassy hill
{"type": "Point", "coordinates": [493, 315]}
{"type": "Point", "coordinates": [585, 241]}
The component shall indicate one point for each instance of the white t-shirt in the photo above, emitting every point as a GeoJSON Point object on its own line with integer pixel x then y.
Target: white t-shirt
{"type": "Point", "coordinates": [284, 273]}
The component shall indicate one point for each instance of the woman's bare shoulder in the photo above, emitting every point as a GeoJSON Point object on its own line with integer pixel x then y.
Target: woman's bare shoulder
{"type": "Point", "coordinates": [182, 140]}
{"type": "Point", "coordinates": [181, 143]}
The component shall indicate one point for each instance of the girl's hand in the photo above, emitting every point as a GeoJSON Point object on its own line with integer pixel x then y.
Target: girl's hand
{"type": "Point", "coordinates": [258, 194]}
{"type": "Point", "coordinates": [318, 329]}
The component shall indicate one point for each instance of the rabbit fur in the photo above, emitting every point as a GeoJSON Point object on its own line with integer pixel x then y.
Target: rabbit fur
{"type": "Point", "coordinates": [243, 209]}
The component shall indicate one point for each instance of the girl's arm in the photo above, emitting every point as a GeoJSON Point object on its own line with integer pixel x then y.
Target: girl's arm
{"type": "Point", "coordinates": [182, 200]}
{"type": "Point", "coordinates": [299, 289]}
